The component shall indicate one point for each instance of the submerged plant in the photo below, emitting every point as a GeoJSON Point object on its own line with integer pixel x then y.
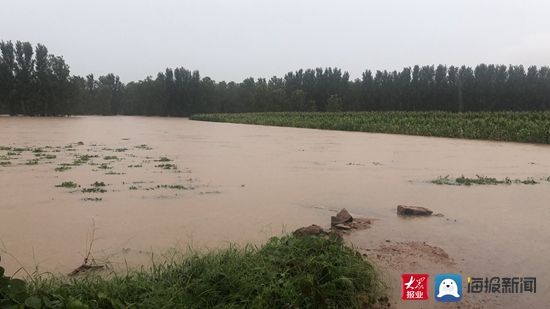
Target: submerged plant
{"type": "Point", "coordinates": [143, 146]}
{"type": "Point", "coordinates": [177, 187]}
{"type": "Point", "coordinates": [167, 166]}
{"type": "Point", "coordinates": [105, 166]}
{"type": "Point", "coordinates": [92, 199]}
{"type": "Point", "coordinates": [163, 159]}
{"type": "Point", "coordinates": [481, 180]}
{"type": "Point", "coordinates": [68, 184]}
{"type": "Point", "coordinates": [62, 168]}
{"type": "Point", "coordinates": [94, 190]}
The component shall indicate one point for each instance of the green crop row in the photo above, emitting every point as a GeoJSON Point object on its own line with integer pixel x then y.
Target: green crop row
{"type": "Point", "coordinates": [528, 127]}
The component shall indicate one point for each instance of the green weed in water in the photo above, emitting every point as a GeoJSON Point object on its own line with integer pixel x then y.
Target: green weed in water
{"type": "Point", "coordinates": [481, 180]}
{"type": "Point", "coordinates": [92, 199]}
{"type": "Point", "coordinates": [68, 184]}
{"type": "Point", "coordinates": [62, 168]}
{"type": "Point", "coordinates": [163, 159]}
{"type": "Point", "coordinates": [177, 187]}
{"type": "Point", "coordinates": [167, 166]}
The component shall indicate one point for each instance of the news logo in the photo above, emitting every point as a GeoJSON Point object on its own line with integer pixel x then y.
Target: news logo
{"type": "Point", "coordinates": [448, 287]}
{"type": "Point", "coordinates": [414, 287]}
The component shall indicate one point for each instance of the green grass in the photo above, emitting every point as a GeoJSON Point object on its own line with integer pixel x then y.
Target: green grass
{"type": "Point", "coordinates": [481, 180]}
{"type": "Point", "coordinates": [530, 127]}
{"type": "Point", "coordinates": [287, 272]}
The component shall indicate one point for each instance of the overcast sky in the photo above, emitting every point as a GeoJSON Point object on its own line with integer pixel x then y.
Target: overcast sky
{"type": "Point", "coordinates": [235, 39]}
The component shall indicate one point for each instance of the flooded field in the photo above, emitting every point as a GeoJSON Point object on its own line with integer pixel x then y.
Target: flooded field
{"type": "Point", "coordinates": [145, 185]}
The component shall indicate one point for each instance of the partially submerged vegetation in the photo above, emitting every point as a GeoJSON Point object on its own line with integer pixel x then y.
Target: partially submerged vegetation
{"type": "Point", "coordinates": [176, 187]}
{"type": "Point", "coordinates": [94, 190]}
{"type": "Point", "coordinates": [92, 199]}
{"type": "Point", "coordinates": [68, 184]}
{"type": "Point", "coordinates": [287, 272]}
{"type": "Point", "coordinates": [95, 160]}
{"type": "Point", "coordinates": [96, 187]}
{"type": "Point", "coordinates": [62, 168]}
{"type": "Point", "coordinates": [482, 180]}
{"type": "Point", "coordinates": [167, 166]}
{"type": "Point", "coordinates": [529, 127]}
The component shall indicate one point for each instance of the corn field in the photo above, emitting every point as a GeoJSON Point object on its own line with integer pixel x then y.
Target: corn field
{"type": "Point", "coordinates": [527, 127]}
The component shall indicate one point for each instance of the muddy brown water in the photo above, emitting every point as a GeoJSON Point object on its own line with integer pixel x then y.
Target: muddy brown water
{"type": "Point", "coordinates": [246, 183]}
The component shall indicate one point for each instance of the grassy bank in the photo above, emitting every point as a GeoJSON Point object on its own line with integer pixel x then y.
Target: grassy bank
{"type": "Point", "coordinates": [287, 272]}
{"type": "Point", "coordinates": [529, 127]}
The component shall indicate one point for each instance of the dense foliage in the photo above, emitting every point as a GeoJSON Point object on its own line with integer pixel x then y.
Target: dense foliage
{"type": "Point", "coordinates": [288, 272]}
{"type": "Point", "coordinates": [532, 127]}
{"type": "Point", "coordinates": [35, 83]}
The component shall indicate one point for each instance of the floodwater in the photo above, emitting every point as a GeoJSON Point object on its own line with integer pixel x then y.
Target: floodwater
{"type": "Point", "coordinates": [241, 183]}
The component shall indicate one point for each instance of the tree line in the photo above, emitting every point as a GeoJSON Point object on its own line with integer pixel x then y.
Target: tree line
{"type": "Point", "coordinates": [34, 82]}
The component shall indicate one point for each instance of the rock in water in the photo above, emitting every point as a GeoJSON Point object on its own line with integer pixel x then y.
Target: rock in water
{"type": "Point", "coordinates": [413, 211]}
{"type": "Point", "coordinates": [313, 229]}
{"type": "Point", "coordinates": [342, 216]}
{"type": "Point", "coordinates": [342, 227]}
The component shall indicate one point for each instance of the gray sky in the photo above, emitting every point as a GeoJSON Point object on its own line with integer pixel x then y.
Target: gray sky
{"type": "Point", "coordinates": [232, 40]}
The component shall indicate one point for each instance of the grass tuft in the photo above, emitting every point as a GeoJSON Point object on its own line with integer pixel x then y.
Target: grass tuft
{"type": "Point", "coordinates": [286, 272]}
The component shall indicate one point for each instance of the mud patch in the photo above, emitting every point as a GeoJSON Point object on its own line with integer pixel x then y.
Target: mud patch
{"type": "Point", "coordinates": [406, 254]}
